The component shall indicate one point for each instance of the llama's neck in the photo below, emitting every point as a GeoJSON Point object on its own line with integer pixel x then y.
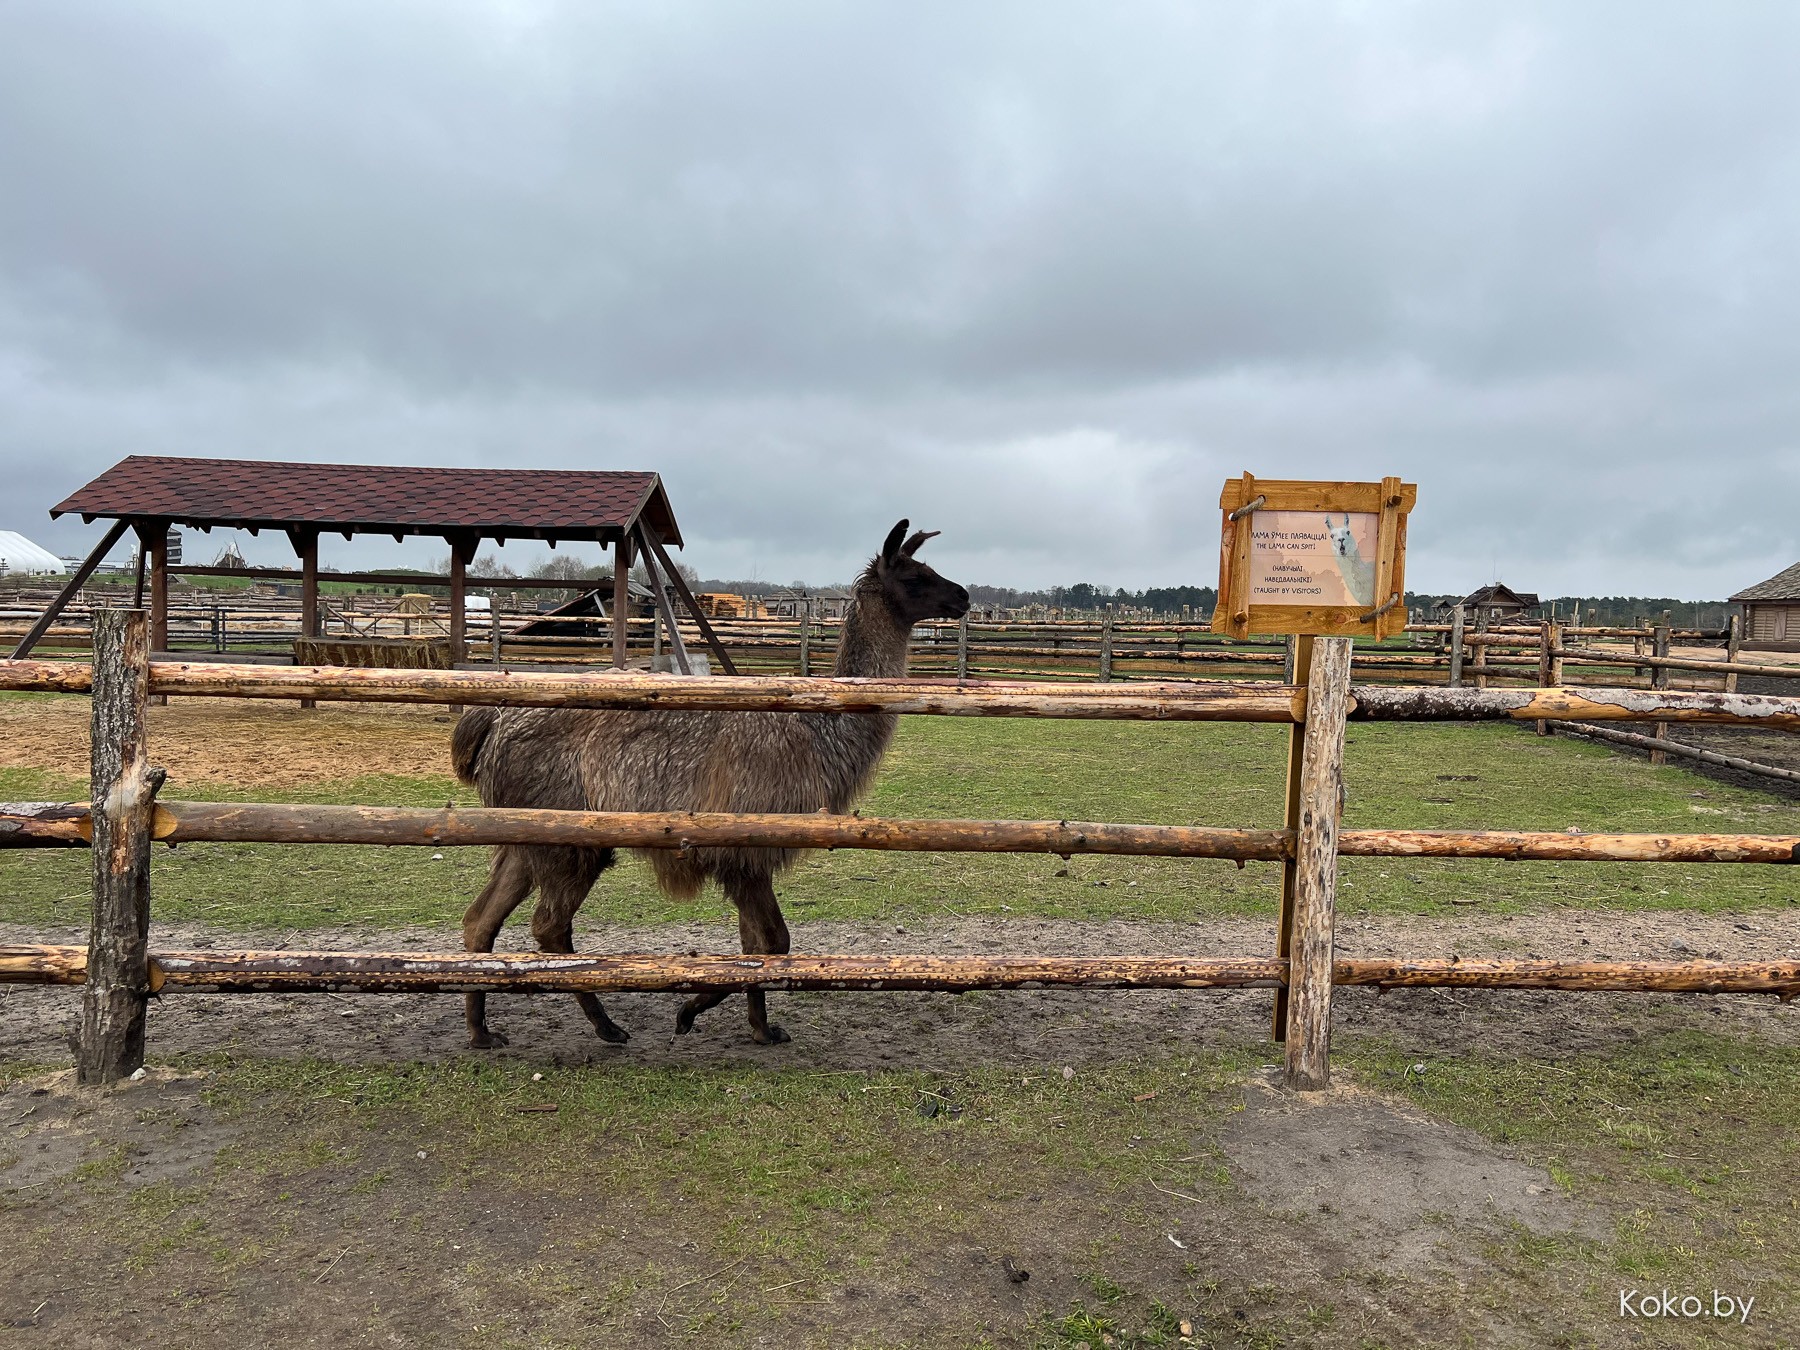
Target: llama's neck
{"type": "Point", "coordinates": [873, 643]}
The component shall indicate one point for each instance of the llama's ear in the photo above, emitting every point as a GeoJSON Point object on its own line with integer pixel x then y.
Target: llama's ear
{"type": "Point", "coordinates": [891, 549]}
{"type": "Point", "coordinates": [911, 546]}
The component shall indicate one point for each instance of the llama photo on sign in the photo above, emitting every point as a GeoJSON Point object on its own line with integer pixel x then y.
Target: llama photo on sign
{"type": "Point", "coordinates": [1313, 558]}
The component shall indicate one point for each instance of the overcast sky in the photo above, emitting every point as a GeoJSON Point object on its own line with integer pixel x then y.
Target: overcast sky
{"type": "Point", "coordinates": [1040, 275]}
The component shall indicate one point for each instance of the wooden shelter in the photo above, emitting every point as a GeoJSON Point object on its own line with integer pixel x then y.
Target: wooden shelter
{"type": "Point", "coordinates": [1772, 612]}
{"type": "Point", "coordinates": [628, 512]}
{"type": "Point", "coordinates": [1497, 603]}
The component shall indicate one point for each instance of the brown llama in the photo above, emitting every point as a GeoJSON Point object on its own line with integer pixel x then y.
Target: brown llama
{"type": "Point", "coordinates": [580, 759]}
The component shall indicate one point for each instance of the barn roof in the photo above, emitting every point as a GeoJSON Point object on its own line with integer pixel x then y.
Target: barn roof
{"type": "Point", "coordinates": [351, 499]}
{"type": "Point", "coordinates": [1781, 586]}
{"type": "Point", "coordinates": [1498, 594]}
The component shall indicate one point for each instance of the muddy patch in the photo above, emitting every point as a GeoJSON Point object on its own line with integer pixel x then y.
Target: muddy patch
{"type": "Point", "coordinates": [1397, 1189]}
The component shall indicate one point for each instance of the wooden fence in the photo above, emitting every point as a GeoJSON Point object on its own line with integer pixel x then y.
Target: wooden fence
{"type": "Point", "coordinates": [119, 972]}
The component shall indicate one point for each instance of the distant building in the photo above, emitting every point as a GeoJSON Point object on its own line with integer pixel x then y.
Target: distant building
{"type": "Point", "coordinates": [1496, 603]}
{"type": "Point", "coordinates": [1772, 612]}
{"type": "Point", "coordinates": [20, 557]}
{"type": "Point", "coordinates": [829, 605]}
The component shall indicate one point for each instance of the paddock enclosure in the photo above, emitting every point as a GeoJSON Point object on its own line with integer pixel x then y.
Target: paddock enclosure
{"type": "Point", "coordinates": [125, 821]}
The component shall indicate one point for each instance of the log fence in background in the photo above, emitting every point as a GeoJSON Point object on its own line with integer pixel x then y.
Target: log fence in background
{"type": "Point", "coordinates": [119, 974]}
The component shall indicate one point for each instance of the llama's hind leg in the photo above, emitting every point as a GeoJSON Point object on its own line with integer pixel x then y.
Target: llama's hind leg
{"type": "Point", "coordinates": [509, 882]}
{"type": "Point", "coordinates": [553, 929]}
{"type": "Point", "coordinates": [761, 930]}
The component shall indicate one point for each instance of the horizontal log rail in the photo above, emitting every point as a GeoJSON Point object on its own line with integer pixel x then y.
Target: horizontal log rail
{"type": "Point", "coordinates": [1169, 700]}
{"type": "Point", "coordinates": [539, 972]}
{"type": "Point", "coordinates": [637, 691]}
{"type": "Point", "coordinates": [1596, 657]}
{"type": "Point", "coordinates": [1392, 703]}
{"type": "Point", "coordinates": [1681, 751]}
{"type": "Point", "coordinates": [53, 824]}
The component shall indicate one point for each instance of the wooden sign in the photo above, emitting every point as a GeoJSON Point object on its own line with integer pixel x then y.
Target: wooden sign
{"type": "Point", "coordinates": [1313, 557]}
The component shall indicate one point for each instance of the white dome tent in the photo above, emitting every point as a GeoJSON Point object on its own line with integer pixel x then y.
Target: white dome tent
{"type": "Point", "coordinates": [18, 555]}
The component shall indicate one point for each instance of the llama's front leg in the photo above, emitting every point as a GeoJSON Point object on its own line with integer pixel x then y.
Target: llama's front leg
{"type": "Point", "coordinates": [553, 929]}
{"type": "Point", "coordinates": [763, 931]}
{"type": "Point", "coordinates": [509, 882]}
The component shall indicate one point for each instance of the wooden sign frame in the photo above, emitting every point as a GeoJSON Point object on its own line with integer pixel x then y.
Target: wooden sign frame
{"type": "Point", "coordinates": [1242, 498]}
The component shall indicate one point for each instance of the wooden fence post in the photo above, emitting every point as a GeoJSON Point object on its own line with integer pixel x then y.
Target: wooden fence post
{"type": "Point", "coordinates": [1734, 643]}
{"type": "Point", "coordinates": [1547, 632]}
{"type": "Point", "coordinates": [1316, 804]}
{"type": "Point", "coordinates": [124, 802]}
{"type": "Point", "coordinates": [803, 610]}
{"type": "Point", "coordinates": [1456, 646]}
{"type": "Point", "coordinates": [962, 647]}
{"type": "Point", "coordinates": [1106, 645]}
{"type": "Point", "coordinates": [1659, 679]}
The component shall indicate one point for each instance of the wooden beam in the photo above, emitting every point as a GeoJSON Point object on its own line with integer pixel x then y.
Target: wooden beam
{"type": "Point", "coordinates": [1299, 656]}
{"type": "Point", "coordinates": [1315, 867]}
{"type": "Point", "coordinates": [666, 612]}
{"type": "Point", "coordinates": [70, 590]}
{"type": "Point", "coordinates": [1681, 751]}
{"type": "Point", "coordinates": [111, 1039]}
{"type": "Point", "coordinates": [1599, 977]}
{"type": "Point", "coordinates": [306, 544]}
{"type": "Point", "coordinates": [621, 601]}
{"type": "Point", "coordinates": [544, 972]}
{"type": "Point", "coordinates": [1201, 701]}
{"type": "Point", "coordinates": [158, 549]}
{"type": "Point", "coordinates": [687, 598]}
{"type": "Point", "coordinates": [539, 972]}
{"type": "Point", "coordinates": [1394, 703]}
{"type": "Point", "coordinates": [418, 581]}
{"type": "Point", "coordinates": [64, 824]}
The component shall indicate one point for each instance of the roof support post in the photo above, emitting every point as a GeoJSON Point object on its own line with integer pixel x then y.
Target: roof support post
{"type": "Point", "coordinates": [621, 601]}
{"type": "Point", "coordinates": [306, 545]}
{"type": "Point", "coordinates": [462, 553]}
{"type": "Point", "coordinates": [155, 545]}
{"type": "Point", "coordinates": [69, 591]}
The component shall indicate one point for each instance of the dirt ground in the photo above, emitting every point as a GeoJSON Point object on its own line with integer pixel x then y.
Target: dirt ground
{"type": "Point", "coordinates": [1355, 1198]}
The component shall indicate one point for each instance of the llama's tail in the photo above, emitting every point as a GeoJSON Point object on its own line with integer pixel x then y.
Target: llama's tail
{"type": "Point", "coordinates": [471, 733]}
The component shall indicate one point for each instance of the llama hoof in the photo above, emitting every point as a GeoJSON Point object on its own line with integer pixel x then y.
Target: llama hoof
{"type": "Point", "coordinates": [773, 1036]}
{"type": "Point", "coordinates": [486, 1040]}
{"type": "Point", "coordinates": [613, 1033]}
{"type": "Point", "coordinates": [684, 1021]}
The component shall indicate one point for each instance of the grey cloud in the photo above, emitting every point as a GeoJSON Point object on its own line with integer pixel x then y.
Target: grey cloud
{"type": "Point", "coordinates": [1042, 274]}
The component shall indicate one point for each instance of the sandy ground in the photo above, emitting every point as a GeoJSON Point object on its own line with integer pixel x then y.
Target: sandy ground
{"type": "Point", "coordinates": [250, 743]}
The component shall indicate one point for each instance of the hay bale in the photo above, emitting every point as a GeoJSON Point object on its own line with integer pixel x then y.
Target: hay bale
{"type": "Point", "coordinates": [374, 653]}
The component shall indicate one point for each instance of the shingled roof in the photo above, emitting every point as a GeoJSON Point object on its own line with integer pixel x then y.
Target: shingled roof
{"type": "Point", "coordinates": [351, 499]}
{"type": "Point", "coordinates": [1781, 586]}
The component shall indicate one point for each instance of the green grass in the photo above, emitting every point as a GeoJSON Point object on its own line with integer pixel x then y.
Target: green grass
{"type": "Point", "coordinates": [821, 1181]}
{"type": "Point", "coordinates": [1429, 776]}
{"type": "Point", "coordinates": [1686, 1137]}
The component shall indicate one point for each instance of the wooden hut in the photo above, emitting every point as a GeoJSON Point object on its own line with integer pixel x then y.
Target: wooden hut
{"type": "Point", "coordinates": [1497, 604]}
{"type": "Point", "coordinates": [1772, 612]}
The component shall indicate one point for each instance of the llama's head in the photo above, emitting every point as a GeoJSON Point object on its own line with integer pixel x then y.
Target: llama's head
{"type": "Point", "coordinates": [913, 591]}
{"type": "Point", "coordinates": [1341, 541]}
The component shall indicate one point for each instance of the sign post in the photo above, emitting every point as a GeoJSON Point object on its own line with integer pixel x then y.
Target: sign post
{"type": "Point", "coordinates": [1326, 562]}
